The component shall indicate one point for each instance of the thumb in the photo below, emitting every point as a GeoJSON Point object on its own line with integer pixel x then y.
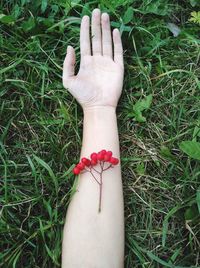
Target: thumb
{"type": "Point", "coordinates": [69, 66]}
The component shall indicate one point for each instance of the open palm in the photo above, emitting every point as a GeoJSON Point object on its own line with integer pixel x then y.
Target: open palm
{"type": "Point", "coordinates": [100, 77]}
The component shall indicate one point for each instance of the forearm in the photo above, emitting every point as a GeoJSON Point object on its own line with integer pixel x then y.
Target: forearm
{"type": "Point", "coordinates": [100, 131]}
{"type": "Point", "coordinates": [93, 239]}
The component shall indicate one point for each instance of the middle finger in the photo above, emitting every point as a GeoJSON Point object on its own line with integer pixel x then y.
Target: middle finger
{"type": "Point", "coordinates": [96, 32]}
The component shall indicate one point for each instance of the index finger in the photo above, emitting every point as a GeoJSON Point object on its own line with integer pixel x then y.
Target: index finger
{"type": "Point", "coordinates": [85, 36]}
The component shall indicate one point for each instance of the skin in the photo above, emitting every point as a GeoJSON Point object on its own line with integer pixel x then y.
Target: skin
{"type": "Point", "coordinates": [92, 239]}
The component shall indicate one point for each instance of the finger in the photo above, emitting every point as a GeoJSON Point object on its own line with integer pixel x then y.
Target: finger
{"type": "Point", "coordinates": [69, 63]}
{"type": "Point", "coordinates": [96, 32]}
{"type": "Point", "coordinates": [106, 35]}
{"type": "Point", "coordinates": [118, 49]}
{"type": "Point", "coordinates": [85, 36]}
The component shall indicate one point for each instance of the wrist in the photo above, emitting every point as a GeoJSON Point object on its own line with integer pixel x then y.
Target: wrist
{"type": "Point", "coordinates": [99, 109]}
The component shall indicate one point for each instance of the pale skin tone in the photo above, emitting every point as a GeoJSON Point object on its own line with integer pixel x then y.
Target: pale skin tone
{"type": "Point", "coordinates": [92, 239]}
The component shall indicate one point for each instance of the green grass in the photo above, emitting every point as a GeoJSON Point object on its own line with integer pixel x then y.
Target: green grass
{"type": "Point", "coordinates": [41, 130]}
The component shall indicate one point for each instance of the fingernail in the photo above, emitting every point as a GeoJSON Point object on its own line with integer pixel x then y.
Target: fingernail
{"type": "Point", "coordinates": [85, 17]}
{"type": "Point", "coordinates": [105, 16]}
{"type": "Point", "coordinates": [96, 11]}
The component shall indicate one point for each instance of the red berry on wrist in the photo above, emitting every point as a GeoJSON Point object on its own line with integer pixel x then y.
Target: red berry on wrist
{"type": "Point", "coordinates": [109, 153]}
{"type": "Point", "coordinates": [107, 157]}
{"type": "Point", "coordinates": [103, 152]}
{"type": "Point", "coordinates": [93, 162]}
{"type": "Point", "coordinates": [100, 156]}
{"type": "Point", "coordinates": [76, 171]}
{"type": "Point", "coordinates": [88, 163]}
{"type": "Point", "coordinates": [80, 165]}
{"type": "Point", "coordinates": [114, 160]}
{"type": "Point", "coordinates": [85, 161]}
{"type": "Point", "coordinates": [93, 156]}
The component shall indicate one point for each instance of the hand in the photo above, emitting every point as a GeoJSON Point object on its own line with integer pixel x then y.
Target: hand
{"type": "Point", "coordinates": [100, 78]}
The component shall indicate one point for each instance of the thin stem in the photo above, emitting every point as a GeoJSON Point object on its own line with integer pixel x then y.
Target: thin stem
{"type": "Point", "coordinates": [101, 164]}
{"type": "Point", "coordinates": [101, 180]}
{"type": "Point", "coordinates": [107, 167]}
{"type": "Point", "coordinates": [100, 192]}
{"type": "Point", "coordinates": [95, 170]}
{"type": "Point", "coordinates": [95, 178]}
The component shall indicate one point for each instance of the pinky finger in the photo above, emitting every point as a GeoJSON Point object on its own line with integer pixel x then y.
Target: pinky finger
{"type": "Point", "coordinates": [118, 49]}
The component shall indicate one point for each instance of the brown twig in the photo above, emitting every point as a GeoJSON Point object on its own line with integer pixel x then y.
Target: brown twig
{"type": "Point", "coordinates": [95, 178]}
{"type": "Point", "coordinates": [107, 167]}
{"type": "Point", "coordinates": [100, 192]}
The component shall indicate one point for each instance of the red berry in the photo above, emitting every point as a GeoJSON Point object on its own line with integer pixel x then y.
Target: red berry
{"type": "Point", "coordinates": [80, 166]}
{"type": "Point", "coordinates": [107, 157]}
{"type": "Point", "coordinates": [109, 153]}
{"type": "Point", "coordinates": [76, 171]}
{"type": "Point", "coordinates": [88, 163]}
{"type": "Point", "coordinates": [93, 162]}
{"type": "Point", "coordinates": [103, 152]}
{"type": "Point", "coordinates": [100, 156]}
{"type": "Point", "coordinates": [114, 161]}
{"type": "Point", "coordinates": [85, 161]}
{"type": "Point", "coordinates": [93, 156]}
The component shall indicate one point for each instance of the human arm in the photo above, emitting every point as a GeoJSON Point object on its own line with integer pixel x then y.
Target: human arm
{"type": "Point", "coordinates": [93, 239]}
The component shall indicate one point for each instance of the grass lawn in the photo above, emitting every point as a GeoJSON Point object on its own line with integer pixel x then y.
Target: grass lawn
{"type": "Point", "coordinates": [158, 119]}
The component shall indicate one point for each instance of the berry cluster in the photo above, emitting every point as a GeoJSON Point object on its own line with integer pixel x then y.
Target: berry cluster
{"type": "Point", "coordinates": [95, 158]}
{"type": "Point", "coordinates": [87, 165]}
